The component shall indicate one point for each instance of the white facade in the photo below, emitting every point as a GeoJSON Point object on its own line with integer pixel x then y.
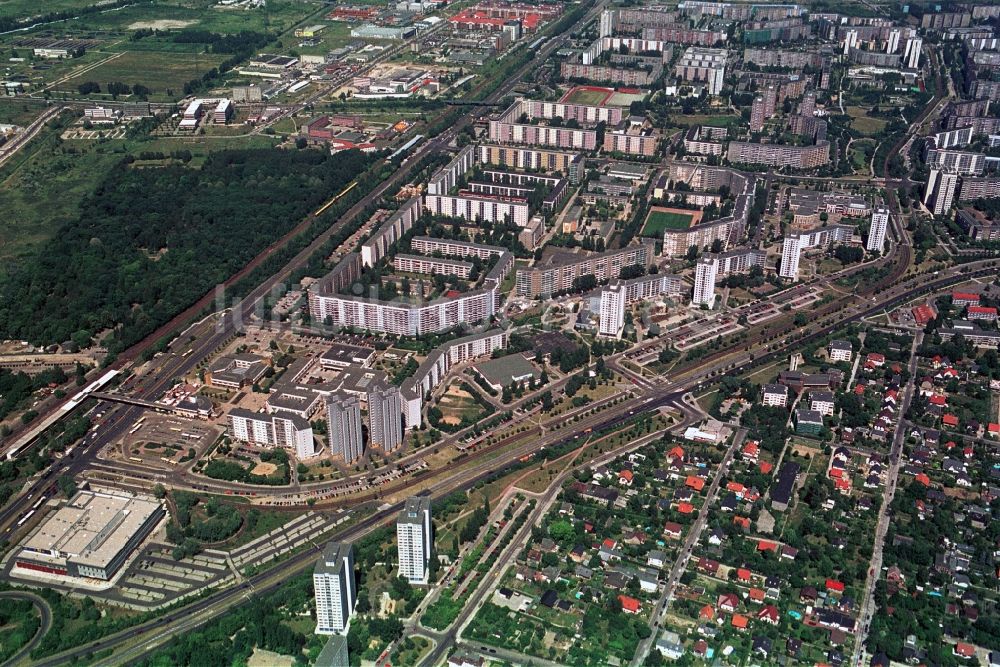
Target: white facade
{"type": "Point", "coordinates": [775, 395]}
{"type": "Point", "coordinates": [273, 430]}
{"type": "Point", "coordinates": [840, 350]}
{"type": "Point", "coordinates": [343, 418]}
{"type": "Point", "coordinates": [940, 192]}
{"type": "Point", "coordinates": [448, 176]}
{"type": "Point", "coordinates": [389, 232]}
{"type": "Point", "coordinates": [404, 319]}
{"type": "Point", "coordinates": [335, 589]}
{"type": "Point", "coordinates": [435, 367]}
{"type": "Point", "coordinates": [612, 310]}
{"type": "Point", "coordinates": [790, 251]}
{"type": "Point", "coordinates": [876, 235]}
{"type": "Point", "coordinates": [414, 539]}
{"type": "Point", "coordinates": [705, 274]}
{"type": "Point", "coordinates": [385, 418]}
{"type": "Point", "coordinates": [911, 56]}
{"type": "Point", "coordinates": [476, 207]}
{"type": "Point", "coordinates": [893, 42]}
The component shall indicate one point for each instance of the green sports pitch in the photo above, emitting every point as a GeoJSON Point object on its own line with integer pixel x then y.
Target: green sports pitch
{"type": "Point", "coordinates": [658, 222]}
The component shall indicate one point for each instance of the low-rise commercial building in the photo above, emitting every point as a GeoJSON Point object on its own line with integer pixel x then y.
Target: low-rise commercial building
{"type": "Point", "coordinates": [236, 371]}
{"type": "Point", "coordinates": [92, 536]}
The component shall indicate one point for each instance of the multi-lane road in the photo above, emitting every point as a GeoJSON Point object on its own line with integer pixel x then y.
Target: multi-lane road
{"type": "Point", "coordinates": [204, 338]}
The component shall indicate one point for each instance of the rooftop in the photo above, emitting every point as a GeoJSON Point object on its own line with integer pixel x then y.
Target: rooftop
{"type": "Point", "coordinates": [505, 370]}
{"type": "Point", "coordinates": [93, 527]}
{"type": "Point", "coordinates": [414, 509]}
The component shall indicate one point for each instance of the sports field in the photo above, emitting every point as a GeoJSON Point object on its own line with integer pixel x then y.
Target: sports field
{"type": "Point", "coordinates": [660, 220]}
{"type": "Point", "coordinates": [623, 99]}
{"type": "Point", "coordinates": [591, 95]}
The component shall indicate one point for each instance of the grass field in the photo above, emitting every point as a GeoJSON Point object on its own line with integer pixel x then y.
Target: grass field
{"type": "Point", "coordinates": [863, 123]}
{"type": "Point", "coordinates": [276, 17]}
{"type": "Point", "coordinates": [21, 8]}
{"type": "Point", "coordinates": [624, 99]}
{"type": "Point", "coordinates": [700, 119]}
{"type": "Point", "coordinates": [336, 35]}
{"type": "Point", "coordinates": [586, 96]}
{"type": "Point", "coordinates": [18, 112]}
{"type": "Point", "coordinates": [163, 73]}
{"type": "Point", "coordinates": [659, 221]}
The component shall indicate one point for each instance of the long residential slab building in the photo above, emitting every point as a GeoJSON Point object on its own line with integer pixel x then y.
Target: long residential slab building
{"type": "Point", "coordinates": [559, 272]}
{"type": "Point", "coordinates": [779, 155]}
{"type": "Point", "coordinates": [515, 157]}
{"type": "Point", "coordinates": [506, 128]}
{"type": "Point", "coordinates": [434, 368]}
{"type": "Point", "coordinates": [390, 231]}
{"type": "Point", "coordinates": [328, 305]}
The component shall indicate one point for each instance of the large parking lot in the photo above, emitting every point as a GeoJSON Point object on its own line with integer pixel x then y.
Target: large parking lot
{"type": "Point", "coordinates": [164, 439]}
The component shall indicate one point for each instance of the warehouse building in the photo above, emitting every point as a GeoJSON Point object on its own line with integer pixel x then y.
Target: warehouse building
{"type": "Point", "coordinates": [92, 536]}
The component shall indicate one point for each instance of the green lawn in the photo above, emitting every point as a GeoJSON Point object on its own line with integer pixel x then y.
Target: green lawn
{"type": "Point", "coordinates": [21, 8]}
{"type": "Point", "coordinates": [712, 120]}
{"type": "Point", "coordinates": [163, 73]}
{"type": "Point", "coordinates": [861, 153]}
{"type": "Point", "coordinates": [276, 17]}
{"type": "Point", "coordinates": [863, 123]}
{"type": "Point", "coordinates": [658, 222]}
{"type": "Point", "coordinates": [336, 35]}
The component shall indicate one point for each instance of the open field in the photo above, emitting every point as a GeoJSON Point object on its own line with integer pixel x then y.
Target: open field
{"type": "Point", "coordinates": [861, 154]}
{"type": "Point", "coordinates": [587, 95]}
{"type": "Point", "coordinates": [863, 123]}
{"type": "Point", "coordinates": [162, 73]}
{"type": "Point", "coordinates": [661, 219]}
{"type": "Point", "coordinates": [623, 99]}
{"type": "Point", "coordinates": [45, 171]}
{"type": "Point", "coordinates": [25, 8]}
{"type": "Point", "coordinates": [458, 405]}
{"type": "Point", "coordinates": [336, 35]}
{"type": "Point", "coordinates": [277, 16]}
{"type": "Point", "coordinates": [700, 119]}
{"type": "Point", "coordinates": [18, 112]}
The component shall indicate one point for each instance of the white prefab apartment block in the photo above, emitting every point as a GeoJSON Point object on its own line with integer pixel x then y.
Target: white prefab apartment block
{"type": "Point", "coordinates": [414, 539]}
{"type": "Point", "coordinates": [385, 418]}
{"type": "Point", "coordinates": [343, 418]}
{"type": "Point", "coordinates": [911, 56]}
{"type": "Point", "coordinates": [876, 235]}
{"type": "Point", "coordinates": [474, 207]}
{"type": "Point", "coordinates": [335, 588]}
{"type": "Point", "coordinates": [790, 251]}
{"type": "Point", "coordinates": [940, 192]}
{"type": "Point", "coordinates": [273, 430]}
{"type": "Point", "coordinates": [612, 310]}
{"type": "Point", "coordinates": [840, 350]}
{"type": "Point", "coordinates": [775, 395]}
{"type": "Point", "coordinates": [705, 273]}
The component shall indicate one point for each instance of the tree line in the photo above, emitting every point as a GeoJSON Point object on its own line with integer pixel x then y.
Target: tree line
{"type": "Point", "coordinates": [149, 242]}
